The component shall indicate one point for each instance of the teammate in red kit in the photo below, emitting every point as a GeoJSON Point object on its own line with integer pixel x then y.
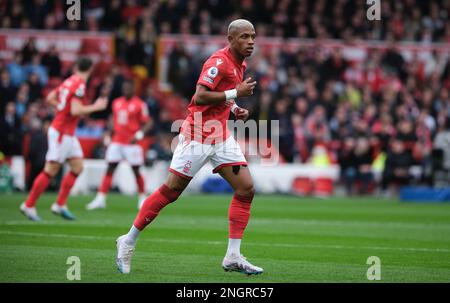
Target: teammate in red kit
{"type": "Point", "coordinates": [130, 122]}
{"type": "Point", "coordinates": [69, 101]}
{"type": "Point", "coordinates": [219, 84]}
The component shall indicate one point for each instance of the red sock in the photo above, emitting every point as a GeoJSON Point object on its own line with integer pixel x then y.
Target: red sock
{"type": "Point", "coordinates": [106, 183]}
{"type": "Point", "coordinates": [40, 184]}
{"type": "Point", "coordinates": [140, 183]}
{"type": "Point", "coordinates": [153, 204]}
{"type": "Point", "coordinates": [238, 215]}
{"type": "Point", "coordinates": [66, 185]}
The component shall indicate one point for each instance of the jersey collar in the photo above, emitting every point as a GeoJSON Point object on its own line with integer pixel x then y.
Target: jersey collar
{"type": "Point", "coordinates": [230, 54]}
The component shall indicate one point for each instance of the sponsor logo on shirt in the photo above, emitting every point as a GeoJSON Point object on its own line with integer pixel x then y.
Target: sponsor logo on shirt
{"type": "Point", "coordinates": [219, 61]}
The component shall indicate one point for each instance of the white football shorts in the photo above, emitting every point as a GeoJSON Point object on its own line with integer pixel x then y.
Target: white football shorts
{"type": "Point", "coordinates": [62, 148]}
{"type": "Point", "coordinates": [190, 156]}
{"type": "Point", "coordinates": [132, 153]}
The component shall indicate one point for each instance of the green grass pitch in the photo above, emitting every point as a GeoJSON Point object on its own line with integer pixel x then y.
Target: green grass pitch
{"type": "Point", "coordinates": [293, 239]}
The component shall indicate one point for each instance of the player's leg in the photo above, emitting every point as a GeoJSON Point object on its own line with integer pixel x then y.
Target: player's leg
{"type": "Point", "coordinates": [72, 152]}
{"type": "Point", "coordinates": [100, 198]}
{"type": "Point", "coordinates": [140, 183]}
{"type": "Point", "coordinates": [166, 194]}
{"type": "Point", "coordinates": [40, 184]}
{"type": "Point", "coordinates": [188, 158]}
{"type": "Point", "coordinates": [238, 176]}
{"type": "Point", "coordinates": [230, 163]}
{"type": "Point", "coordinates": [60, 207]}
{"type": "Point", "coordinates": [134, 154]}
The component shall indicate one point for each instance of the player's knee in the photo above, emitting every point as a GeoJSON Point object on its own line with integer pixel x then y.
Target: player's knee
{"type": "Point", "coordinates": [176, 187]}
{"type": "Point", "coordinates": [136, 170]}
{"type": "Point", "coordinates": [51, 172]}
{"type": "Point", "coordinates": [111, 168]}
{"type": "Point", "coordinates": [51, 169]}
{"type": "Point", "coordinates": [77, 169]}
{"type": "Point", "coordinates": [247, 190]}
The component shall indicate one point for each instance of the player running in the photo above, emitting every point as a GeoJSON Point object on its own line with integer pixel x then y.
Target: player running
{"type": "Point", "coordinates": [130, 122]}
{"type": "Point", "coordinates": [69, 101]}
{"type": "Point", "coordinates": [220, 82]}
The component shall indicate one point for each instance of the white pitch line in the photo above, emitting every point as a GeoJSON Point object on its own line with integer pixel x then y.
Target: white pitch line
{"type": "Point", "coordinates": [300, 222]}
{"type": "Point", "coordinates": [86, 237]}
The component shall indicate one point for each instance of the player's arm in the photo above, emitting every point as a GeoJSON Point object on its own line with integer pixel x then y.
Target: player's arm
{"type": "Point", "coordinates": [78, 109]}
{"type": "Point", "coordinates": [204, 96]}
{"type": "Point", "coordinates": [147, 124]}
{"type": "Point", "coordinates": [52, 98]}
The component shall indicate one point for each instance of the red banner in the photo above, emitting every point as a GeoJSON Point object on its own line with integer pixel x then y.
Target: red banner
{"type": "Point", "coordinates": [68, 44]}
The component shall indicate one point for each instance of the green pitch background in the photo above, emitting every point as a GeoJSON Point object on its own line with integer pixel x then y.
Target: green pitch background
{"type": "Point", "coordinates": [293, 239]}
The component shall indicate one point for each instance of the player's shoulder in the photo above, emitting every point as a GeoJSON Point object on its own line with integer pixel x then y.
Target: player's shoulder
{"type": "Point", "coordinates": [218, 58]}
{"type": "Point", "coordinates": [117, 101]}
{"type": "Point", "coordinates": [138, 100]}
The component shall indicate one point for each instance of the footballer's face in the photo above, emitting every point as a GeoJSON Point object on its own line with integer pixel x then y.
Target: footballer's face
{"type": "Point", "coordinates": [243, 40]}
{"type": "Point", "coordinates": [127, 89]}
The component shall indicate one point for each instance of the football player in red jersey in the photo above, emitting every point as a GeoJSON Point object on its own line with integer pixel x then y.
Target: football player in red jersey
{"type": "Point", "coordinates": [220, 82]}
{"type": "Point", "coordinates": [130, 122]}
{"type": "Point", "coordinates": [70, 103]}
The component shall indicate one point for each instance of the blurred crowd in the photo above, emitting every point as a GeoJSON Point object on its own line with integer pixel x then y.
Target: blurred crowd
{"type": "Point", "coordinates": [138, 23]}
{"type": "Point", "coordinates": [384, 110]}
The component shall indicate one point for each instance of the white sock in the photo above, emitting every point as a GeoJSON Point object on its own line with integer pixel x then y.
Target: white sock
{"type": "Point", "coordinates": [234, 247]}
{"type": "Point", "coordinates": [132, 236]}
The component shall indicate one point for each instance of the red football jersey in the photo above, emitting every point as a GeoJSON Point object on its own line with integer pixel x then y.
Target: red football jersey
{"type": "Point", "coordinates": [220, 72]}
{"type": "Point", "coordinates": [128, 115]}
{"type": "Point", "coordinates": [72, 88]}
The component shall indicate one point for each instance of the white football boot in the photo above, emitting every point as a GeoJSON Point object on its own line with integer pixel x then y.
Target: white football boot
{"type": "Point", "coordinates": [29, 212]}
{"type": "Point", "coordinates": [98, 203]}
{"type": "Point", "coordinates": [124, 254]}
{"type": "Point", "coordinates": [141, 200]}
{"type": "Point", "coordinates": [240, 264]}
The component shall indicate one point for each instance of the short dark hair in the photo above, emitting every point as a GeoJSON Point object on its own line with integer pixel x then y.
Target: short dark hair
{"type": "Point", "coordinates": [84, 64]}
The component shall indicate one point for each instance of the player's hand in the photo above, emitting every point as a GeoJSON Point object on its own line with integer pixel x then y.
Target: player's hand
{"type": "Point", "coordinates": [241, 113]}
{"type": "Point", "coordinates": [101, 103]}
{"type": "Point", "coordinates": [245, 88]}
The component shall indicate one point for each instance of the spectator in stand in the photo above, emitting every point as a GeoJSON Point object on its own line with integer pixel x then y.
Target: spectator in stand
{"type": "Point", "coordinates": [16, 70]}
{"type": "Point", "coordinates": [35, 86]}
{"type": "Point", "coordinates": [37, 148]}
{"type": "Point", "coordinates": [396, 168]}
{"type": "Point", "coordinates": [11, 132]}
{"type": "Point", "coordinates": [347, 163]}
{"type": "Point", "coordinates": [35, 67]}
{"type": "Point", "coordinates": [51, 61]}
{"type": "Point", "coordinates": [7, 90]}
{"type": "Point", "coordinates": [285, 129]}
{"type": "Point", "coordinates": [154, 108]}
{"type": "Point", "coordinates": [363, 161]}
{"type": "Point", "coordinates": [29, 50]}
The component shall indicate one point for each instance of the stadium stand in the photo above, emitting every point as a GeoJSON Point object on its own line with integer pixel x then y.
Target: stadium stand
{"type": "Point", "coordinates": [387, 105]}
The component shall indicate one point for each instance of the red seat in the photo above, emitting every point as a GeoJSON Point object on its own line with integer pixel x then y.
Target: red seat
{"type": "Point", "coordinates": [323, 187]}
{"type": "Point", "coordinates": [302, 186]}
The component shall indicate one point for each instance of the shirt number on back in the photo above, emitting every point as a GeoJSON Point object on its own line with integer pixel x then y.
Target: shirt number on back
{"type": "Point", "coordinates": [62, 99]}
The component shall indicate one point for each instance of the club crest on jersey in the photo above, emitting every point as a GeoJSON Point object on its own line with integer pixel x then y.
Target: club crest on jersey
{"type": "Point", "coordinates": [213, 72]}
